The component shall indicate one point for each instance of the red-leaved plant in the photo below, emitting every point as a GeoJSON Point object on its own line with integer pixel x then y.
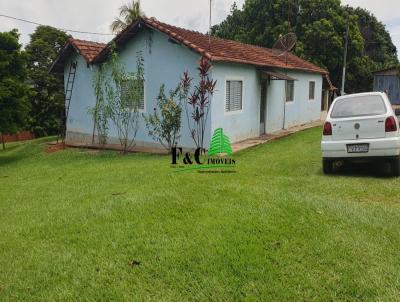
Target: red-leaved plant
{"type": "Point", "coordinates": [198, 102]}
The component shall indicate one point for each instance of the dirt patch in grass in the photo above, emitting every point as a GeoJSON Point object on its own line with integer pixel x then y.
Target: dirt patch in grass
{"type": "Point", "coordinates": [55, 147]}
{"type": "Point", "coordinates": [134, 263]}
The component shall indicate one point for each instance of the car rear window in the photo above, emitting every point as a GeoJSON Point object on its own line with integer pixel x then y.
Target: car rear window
{"type": "Point", "coordinates": [359, 106]}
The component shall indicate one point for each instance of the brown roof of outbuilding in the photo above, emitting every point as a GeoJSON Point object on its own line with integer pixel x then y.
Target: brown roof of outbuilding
{"type": "Point", "coordinates": [87, 49]}
{"type": "Point", "coordinates": [219, 50]}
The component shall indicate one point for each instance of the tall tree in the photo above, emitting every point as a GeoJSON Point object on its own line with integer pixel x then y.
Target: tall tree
{"type": "Point", "coordinates": [378, 51]}
{"type": "Point", "coordinates": [127, 14]}
{"type": "Point", "coordinates": [48, 89]}
{"type": "Point", "coordinates": [14, 105]}
{"type": "Point", "coordinates": [320, 27]}
{"type": "Point", "coordinates": [378, 44]}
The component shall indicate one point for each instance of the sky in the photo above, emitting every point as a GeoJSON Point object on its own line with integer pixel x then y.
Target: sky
{"type": "Point", "coordinates": [96, 15]}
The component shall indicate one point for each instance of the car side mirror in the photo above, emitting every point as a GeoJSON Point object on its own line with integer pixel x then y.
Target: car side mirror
{"type": "Point", "coordinates": [397, 111]}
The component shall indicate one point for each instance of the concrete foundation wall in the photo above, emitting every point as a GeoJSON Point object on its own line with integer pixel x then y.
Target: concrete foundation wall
{"type": "Point", "coordinates": [79, 139]}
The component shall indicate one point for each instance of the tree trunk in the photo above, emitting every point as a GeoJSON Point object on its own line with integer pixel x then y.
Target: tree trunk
{"type": "Point", "coordinates": [125, 146]}
{"type": "Point", "coordinates": [3, 142]}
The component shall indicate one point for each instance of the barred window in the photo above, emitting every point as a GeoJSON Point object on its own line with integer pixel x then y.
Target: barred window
{"type": "Point", "coordinates": [289, 91]}
{"type": "Point", "coordinates": [138, 89]}
{"type": "Point", "coordinates": [311, 92]}
{"type": "Point", "coordinates": [234, 91]}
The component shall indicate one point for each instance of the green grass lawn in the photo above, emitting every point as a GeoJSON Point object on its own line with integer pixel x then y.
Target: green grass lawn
{"type": "Point", "coordinates": [84, 225]}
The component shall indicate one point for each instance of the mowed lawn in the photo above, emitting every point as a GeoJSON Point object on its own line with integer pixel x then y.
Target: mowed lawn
{"type": "Point", "coordinates": [84, 225]}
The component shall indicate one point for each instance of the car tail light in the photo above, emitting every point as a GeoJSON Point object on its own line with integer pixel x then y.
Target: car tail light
{"type": "Point", "coordinates": [327, 129]}
{"type": "Point", "coordinates": [390, 124]}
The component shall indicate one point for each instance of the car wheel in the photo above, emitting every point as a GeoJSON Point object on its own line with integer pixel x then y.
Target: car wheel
{"type": "Point", "coordinates": [395, 167]}
{"type": "Point", "coordinates": [327, 166]}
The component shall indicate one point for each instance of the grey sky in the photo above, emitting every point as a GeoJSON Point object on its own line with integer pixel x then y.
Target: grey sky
{"type": "Point", "coordinates": [96, 15]}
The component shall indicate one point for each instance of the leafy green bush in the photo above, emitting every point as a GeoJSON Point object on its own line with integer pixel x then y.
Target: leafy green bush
{"type": "Point", "coordinates": [164, 124]}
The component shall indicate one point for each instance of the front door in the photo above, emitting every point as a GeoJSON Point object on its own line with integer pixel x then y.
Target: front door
{"type": "Point", "coordinates": [263, 106]}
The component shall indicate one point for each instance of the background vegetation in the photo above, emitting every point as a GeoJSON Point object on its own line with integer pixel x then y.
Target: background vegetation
{"type": "Point", "coordinates": [320, 27]}
{"type": "Point", "coordinates": [31, 98]}
{"type": "Point", "coordinates": [47, 89]}
{"type": "Point", "coordinates": [14, 104]}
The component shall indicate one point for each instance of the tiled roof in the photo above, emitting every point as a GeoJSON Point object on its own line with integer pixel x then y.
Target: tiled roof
{"type": "Point", "coordinates": [219, 50]}
{"type": "Point", "coordinates": [232, 51]}
{"type": "Point", "coordinates": [87, 49]}
{"type": "Point", "coordinates": [215, 49]}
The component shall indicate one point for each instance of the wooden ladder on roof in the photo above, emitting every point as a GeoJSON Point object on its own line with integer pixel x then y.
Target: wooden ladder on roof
{"type": "Point", "coordinates": [68, 96]}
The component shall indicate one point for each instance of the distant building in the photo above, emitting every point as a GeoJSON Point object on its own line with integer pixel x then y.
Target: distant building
{"type": "Point", "coordinates": [388, 80]}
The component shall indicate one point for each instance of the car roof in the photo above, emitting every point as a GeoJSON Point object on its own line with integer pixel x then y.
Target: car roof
{"type": "Point", "coordinates": [349, 96]}
{"type": "Point", "coordinates": [375, 93]}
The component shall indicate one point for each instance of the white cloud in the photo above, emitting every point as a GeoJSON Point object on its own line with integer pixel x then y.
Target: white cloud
{"type": "Point", "coordinates": [96, 16]}
{"type": "Point", "coordinates": [384, 10]}
{"type": "Point", "coordinates": [192, 14]}
{"type": "Point", "coordinates": [395, 33]}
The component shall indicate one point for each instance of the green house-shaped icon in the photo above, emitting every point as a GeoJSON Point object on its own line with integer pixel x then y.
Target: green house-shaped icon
{"type": "Point", "coordinates": [220, 143]}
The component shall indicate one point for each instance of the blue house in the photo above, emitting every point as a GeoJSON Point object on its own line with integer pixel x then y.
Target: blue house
{"type": "Point", "coordinates": [258, 90]}
{"type": "Point", "coordinates": [388, 80]}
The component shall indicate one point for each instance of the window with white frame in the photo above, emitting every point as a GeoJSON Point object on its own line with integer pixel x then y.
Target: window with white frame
{"type": "Point", "coordinates": [234, 95]}
{"type": "Point", "coordinates": [138, 88]}
{"type": "Point", "coordinates": [311, 90]}
{"type": "Point", "coordinates": [289, 91]}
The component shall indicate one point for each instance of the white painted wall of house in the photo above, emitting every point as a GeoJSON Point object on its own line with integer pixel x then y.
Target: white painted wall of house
{"type": "Point", "coordinates": [165, 62]}
{"type": "Point", "coordinates": [245, 123]}
{"type": "Point", "coordinates": [238, 125]}
{"type": "Point", "coordinates": [302, 109]}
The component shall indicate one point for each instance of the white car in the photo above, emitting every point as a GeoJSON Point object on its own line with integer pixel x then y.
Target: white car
{"type": "Point", "coordinates": [361, 126]}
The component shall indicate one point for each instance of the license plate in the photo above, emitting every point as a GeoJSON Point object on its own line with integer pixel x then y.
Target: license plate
{"type": "Point", "coordinates": [358, 148]}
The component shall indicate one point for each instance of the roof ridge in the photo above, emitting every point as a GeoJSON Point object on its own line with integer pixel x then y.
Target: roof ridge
{"type": "Point", "coordinates": [86, 41]}
{"type": "Point", "coordinates": [161, 26]}
{"type": "Point", "coordinates": [206, 35]}
{"type": "Point", "coordinates": [171, 28]}
{"type": "Point", "coordinates": [222, 50]}
{"type": "Point", "coordinates": [163, 23]}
